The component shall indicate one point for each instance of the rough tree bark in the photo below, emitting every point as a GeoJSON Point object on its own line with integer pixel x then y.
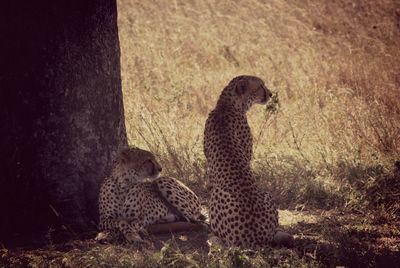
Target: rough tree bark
{"type": "Point", "coordinates": [61, 108]}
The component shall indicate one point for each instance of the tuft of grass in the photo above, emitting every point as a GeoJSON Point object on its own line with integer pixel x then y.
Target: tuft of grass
{"type": "Point", "coordinates": [382, 194]}
{"type": "Point", "coordinates": [234, 257]}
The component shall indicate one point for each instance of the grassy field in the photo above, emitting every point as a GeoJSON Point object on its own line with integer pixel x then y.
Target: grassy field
{"type": "Point", "coordinates": [325, 149]}
{"type": "Point", "coordinates": [334, 66]}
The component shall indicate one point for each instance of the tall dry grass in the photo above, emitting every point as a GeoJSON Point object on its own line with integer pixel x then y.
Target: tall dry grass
{"type": "Point", "coordinates": [334, 65]}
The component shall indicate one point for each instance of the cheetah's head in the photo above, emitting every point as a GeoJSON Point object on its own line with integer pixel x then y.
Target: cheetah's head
{"type": "Point", "coordinates": [138, 164]}
{"type": "Point", "coordinates": [246, 90]}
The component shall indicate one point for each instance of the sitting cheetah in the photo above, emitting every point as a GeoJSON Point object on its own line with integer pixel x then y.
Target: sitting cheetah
{"type": "Point", "coordinates": [128, 203]}
{"type": "Point", "coordinates": [240, 213]}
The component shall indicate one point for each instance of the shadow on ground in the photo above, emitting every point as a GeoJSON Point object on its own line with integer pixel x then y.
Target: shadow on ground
{"type": "Point", "coordinates": [322, 239]}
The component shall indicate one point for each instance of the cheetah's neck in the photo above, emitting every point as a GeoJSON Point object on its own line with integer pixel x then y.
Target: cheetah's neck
{"type": "Point", "coordinates": [228, 99]}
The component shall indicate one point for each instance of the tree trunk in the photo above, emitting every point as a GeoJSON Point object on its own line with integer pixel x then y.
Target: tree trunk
{"type": "Point", "coordinates": [62, 111]}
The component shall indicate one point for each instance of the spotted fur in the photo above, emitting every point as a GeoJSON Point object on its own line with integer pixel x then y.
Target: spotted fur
{"type": "Point", "coordinates": [240, 213]}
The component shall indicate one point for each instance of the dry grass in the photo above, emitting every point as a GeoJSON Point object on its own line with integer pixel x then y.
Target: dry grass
{"type": "Point", "coordinates": [334, 64]}
{"type": "Point", "coordinates": [329, 143]}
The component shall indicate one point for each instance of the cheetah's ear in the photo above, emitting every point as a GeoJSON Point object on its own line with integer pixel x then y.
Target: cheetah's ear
{"type": "Point", "coordinates": [240, 87]}
{"type": "Point", "coordinates": [123, 156]}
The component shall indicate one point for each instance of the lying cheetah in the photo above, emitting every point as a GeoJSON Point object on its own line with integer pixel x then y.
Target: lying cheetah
{"type": "Point", "coordinates": [133, 198]}
{"type": "Point", "coordinates": [240, 213]}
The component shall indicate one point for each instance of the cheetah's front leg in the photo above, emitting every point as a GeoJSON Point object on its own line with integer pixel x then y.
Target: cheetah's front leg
{"type": "Point", "coordinates": [129, 229]}
{"type": "Point", "coordinates": [132, 231]}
